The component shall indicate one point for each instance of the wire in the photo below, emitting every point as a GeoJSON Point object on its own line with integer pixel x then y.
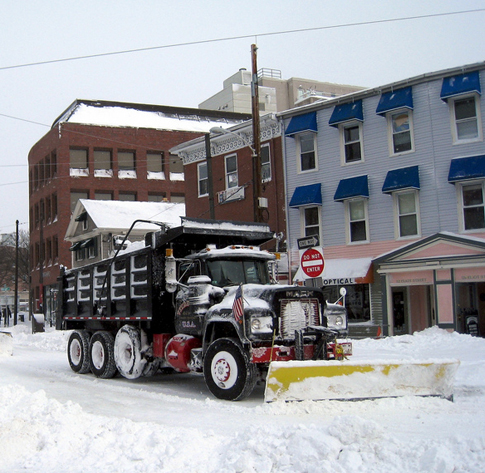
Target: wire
{"type": "Point", "coordinates": [233, 38]}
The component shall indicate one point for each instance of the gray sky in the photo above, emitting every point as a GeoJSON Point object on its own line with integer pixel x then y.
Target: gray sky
{"type": "Point", "coordinates": [44, 30]}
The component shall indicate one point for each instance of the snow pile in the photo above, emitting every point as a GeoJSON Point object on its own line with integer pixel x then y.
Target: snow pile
{"type": "Point", "coordinates": [54, 420]}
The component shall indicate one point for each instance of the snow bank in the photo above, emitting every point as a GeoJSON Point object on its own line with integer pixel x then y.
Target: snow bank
{"type": "Point", "coordinates": [124, 426]}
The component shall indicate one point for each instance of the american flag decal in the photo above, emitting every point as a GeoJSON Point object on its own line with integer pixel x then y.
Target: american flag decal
{"type": "Point", "coordinates": [237, 306]}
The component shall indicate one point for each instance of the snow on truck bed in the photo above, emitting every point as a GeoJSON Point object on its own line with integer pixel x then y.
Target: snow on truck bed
{"type": "Point", "coordinates": [54, 420]}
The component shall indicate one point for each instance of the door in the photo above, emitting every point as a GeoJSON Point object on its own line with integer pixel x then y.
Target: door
{"type": "Point", "coordinates": [400, 311]}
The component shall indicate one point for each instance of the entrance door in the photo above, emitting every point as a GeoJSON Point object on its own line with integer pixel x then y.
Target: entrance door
{"type": "Point", "coordinates": [470, 305]}
{"type": "Point", "coordinates": [400, 311]}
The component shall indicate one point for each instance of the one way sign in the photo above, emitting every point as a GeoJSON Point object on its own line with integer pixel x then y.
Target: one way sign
{"type": "Point", "coordinates": [307, 242]}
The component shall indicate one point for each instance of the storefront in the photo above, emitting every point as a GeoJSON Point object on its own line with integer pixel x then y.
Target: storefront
{"type": "Point", "coordinates": [439, 280]}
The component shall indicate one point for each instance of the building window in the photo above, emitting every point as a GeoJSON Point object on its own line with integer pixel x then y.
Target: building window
{"type": "Point", "coordinates": [265, 164]}
{"type": "Point", "coordinates": [356, 212]}
{"type": "Point", "coordinates": [155, 165]}
{"type": "Point", "coordinates": [351, 143]}
{"type": "Point", "coordinates": [103, 196]}
{"type": "Point", "coordinates": [126, 160]}
{"type": "Point", "coordinates": [176, 168]}
{"type": "Point", "coordinates": [466, 121]}
{"type": "Point", "coordinates": [307, 151]}
{"type": "Point", "coordinates": [78, 158]}
{"type": "Point", "coordinates": [156, 197]}
{"type": "Point", "coordinates": [401, 132]}
{"type": "Point", "coordinates": [75, 196]}
{"type": "Point", "coordinates": [311, 221]}
{"type": "Point", "coordinates": [407, 215]}
{"type": "Point", "coordinates": [127, 196]}
{"type": "Point", "coordinates": [231, 171]}
{"type": "Point", "coordinates": [473, 207]}
{"type": "Point", "coordinates": [177, 198]}
{"type": "Point", "coordinates": [102, 160]}
{"type": "Point", "coordinates": [203, 179]}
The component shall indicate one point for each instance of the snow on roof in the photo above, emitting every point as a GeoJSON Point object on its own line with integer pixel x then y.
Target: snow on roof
{"type": "Point", "coordinates": [122, 116]}
{"type": "Point", "coordinates": [116, 214]}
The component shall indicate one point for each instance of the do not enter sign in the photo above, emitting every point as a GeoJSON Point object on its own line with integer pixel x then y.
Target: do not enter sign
{"type": "Point", "coordinates": [312, 263]}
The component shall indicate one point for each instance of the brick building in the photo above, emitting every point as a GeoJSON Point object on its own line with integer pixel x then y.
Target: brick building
{"type": "Point", "coordinates": [231, 176]}
{"type": "Point", "coordinates": [105, 151]}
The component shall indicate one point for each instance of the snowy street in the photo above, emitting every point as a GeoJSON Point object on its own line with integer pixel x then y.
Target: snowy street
{"type": "Point", "coordinates": [52, 419]}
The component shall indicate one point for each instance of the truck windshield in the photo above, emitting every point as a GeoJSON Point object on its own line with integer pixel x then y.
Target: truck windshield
{"type": "Point", "coordinates": [233, 272]}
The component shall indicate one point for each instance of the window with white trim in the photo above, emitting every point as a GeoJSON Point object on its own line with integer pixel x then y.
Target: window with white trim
{"type": "Point", "coordinates": [307, 152]}
{"type": "Point", "coordinates": [400, 126]}
{"type": "Point", "coordinates": [406, 211]}
{"type": "Point", "coordinates": [310, 221]}
{"type": "Point", "coordinates": [472, 206]}
{"type": "Point", "coordinates": [466, 120]}
{"type": "Point", "coordinates": [265, 163]}
{"type": "Point", "coordinates": [357, 220]}
{"type": "Point", "coordinates": [202, 179]}
{"type": "Point", "coordinates": [351, 143]}
{"type": "Point", "coordinates": [231, 171]}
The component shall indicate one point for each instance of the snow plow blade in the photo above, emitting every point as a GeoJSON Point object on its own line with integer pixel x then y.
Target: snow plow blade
{"type": "Point", "coordinates": [352, 380]}
{"type": "Point", "coordinates": [6, 343]}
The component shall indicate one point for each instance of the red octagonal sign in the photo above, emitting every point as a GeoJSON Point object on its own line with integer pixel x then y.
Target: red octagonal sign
{"type": "Point", "coordinates": [312, 263]}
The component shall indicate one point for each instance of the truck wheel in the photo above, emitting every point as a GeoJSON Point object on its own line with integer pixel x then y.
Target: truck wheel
{"type": "Point", "coordinates": [228, 373]}
{"type": "Point", "coordinates": [128, 357]}
{"type": "Point", "coordinates": [78, 351]}
{"type": "Point", "coordinates": [102, 355]}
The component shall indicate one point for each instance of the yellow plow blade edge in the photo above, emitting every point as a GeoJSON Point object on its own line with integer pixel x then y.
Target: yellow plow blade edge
{"type": "Point", "coordinates": [6, 343]}
{"type": "Point", "coordinates": [319, 380]}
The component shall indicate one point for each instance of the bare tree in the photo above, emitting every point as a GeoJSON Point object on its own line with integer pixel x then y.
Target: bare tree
{"type": "Point", "coordinates": [7, 259]}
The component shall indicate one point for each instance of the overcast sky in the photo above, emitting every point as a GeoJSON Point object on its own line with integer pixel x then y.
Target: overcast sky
{"type": "Point", "coordinates": [334, 50]}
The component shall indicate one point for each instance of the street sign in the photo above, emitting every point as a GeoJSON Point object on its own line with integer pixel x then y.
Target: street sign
{"type": "Point", "coordinates": [307, 242]}
{"type": "Point", "coordinates": [312, 263]}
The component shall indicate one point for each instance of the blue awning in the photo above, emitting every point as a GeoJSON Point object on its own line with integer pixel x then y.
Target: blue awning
{"type": "Point", "coordinates": [301, 123]}
{"type": "Point", "coordinates": [352, 187]}
{"type": "Point", "coordinates": [346, 112]}
{"type": "Point", "coordinates": [402, 98]}
{"type": "Point", "coordinates": [404, 178]}
{"type": "Point", "coordinates": [461, 84]}
{"type": "Point", "coordinates": [307, 195]}
{"type": "Point", "coordinates": [462, 169]}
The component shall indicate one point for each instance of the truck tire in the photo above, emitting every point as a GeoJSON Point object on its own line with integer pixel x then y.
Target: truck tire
{"type": "Point", "coordinates": [78, 351]}
{"type": "Point", "coordinates": [101, 350]}
{"type": "Point", "coordinates": [227, 371]}
{"type": "Point", "coordinates": [127, 350]}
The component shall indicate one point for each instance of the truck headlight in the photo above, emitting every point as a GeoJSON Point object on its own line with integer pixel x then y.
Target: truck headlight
{"type": "Point", "coordinates": [261, 325]}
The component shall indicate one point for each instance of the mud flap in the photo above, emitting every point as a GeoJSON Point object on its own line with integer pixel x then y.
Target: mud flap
{"type": "Point", "coordinates": [6, 343]}
{"type": "Point", "coordinates": [352, 380]}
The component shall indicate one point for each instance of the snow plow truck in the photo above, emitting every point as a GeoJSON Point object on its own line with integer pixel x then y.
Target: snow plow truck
{"type": "Point", "coordinates": [200, 298]}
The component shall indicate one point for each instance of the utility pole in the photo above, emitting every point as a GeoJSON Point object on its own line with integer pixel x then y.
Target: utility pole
{"type": "Point", "coordinates": [256, 136]}
{"type": "Point", "coordinates": [16, 292]}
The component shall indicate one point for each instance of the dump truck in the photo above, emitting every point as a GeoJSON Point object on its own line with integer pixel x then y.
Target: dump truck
{"type": "Point", "coordinates": [196, 298]}
{"type": "Point", "coordinates": [202, 297]}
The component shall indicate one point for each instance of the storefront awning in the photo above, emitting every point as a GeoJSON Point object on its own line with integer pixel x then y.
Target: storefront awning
{"type": "Point", "coordinates": [461, 84]}
{"type": "Point", "coordinates": [75, 246]}
{"type": "Point", "coordinates": [404, 178]}
{"type": "Point", "coordinates": [402, 98]}
{"type": "Point", "coordinates": [87, 243]}
{"type": "Point", "coordinates": [302, 123]}
{"type": "Point", "coordinates": [462, 169]}
{"type": "Point", "coordinates": [352, 187]}
{"type": "Point", "coordinates": [347, 112]}
{"type": "Point", "coordinates": [347, 271]}
{"type": "Point", "coordinates": [307, 195]}
{"type": "Point", "coordinates": [82, 217]}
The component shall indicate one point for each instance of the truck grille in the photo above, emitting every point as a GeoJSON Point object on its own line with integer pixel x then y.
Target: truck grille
{"type": "Point", "coordinates": [298, 314]}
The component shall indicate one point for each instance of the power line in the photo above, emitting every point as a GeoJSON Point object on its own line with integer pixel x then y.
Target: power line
{"type": "Point", "coordinates": [233, 38]}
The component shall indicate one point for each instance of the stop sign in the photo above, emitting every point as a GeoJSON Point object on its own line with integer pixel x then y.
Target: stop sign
{"type": "Point", "coordinates": [312, 263]}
